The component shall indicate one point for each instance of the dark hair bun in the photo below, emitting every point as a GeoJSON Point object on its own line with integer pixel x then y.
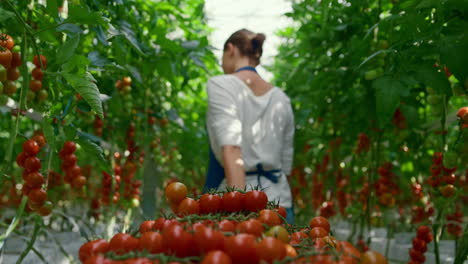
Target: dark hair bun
{"type": "Point", "coordinates": [257, 44]}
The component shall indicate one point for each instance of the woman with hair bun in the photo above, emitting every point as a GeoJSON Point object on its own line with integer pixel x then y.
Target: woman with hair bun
{"type": "Point", "coordinates": [250, 125]}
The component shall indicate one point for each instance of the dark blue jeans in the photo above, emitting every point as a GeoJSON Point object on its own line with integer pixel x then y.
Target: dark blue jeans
{"type": "Point", "coordinates": [290, 215]}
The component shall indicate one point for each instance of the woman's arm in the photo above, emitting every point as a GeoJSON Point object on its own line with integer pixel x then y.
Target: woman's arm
{"type": "Point", "coordinates": [233, 166]}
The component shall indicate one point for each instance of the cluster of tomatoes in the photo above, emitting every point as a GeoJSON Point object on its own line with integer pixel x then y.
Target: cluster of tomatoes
{"type": "Point", "coordinates": [35, 85]}
{"type": "Point", "coordinates": [124, 85]}
{"type": "Point", "coordinates": [220, 233]}
{"type": "Point", "coordinates": [98, 125]}
{"type": "Point", "coordinates": [363, 143]}
{"type": "Point", "coordinates": [385, 187]}
{"type": "Point", "coordinates": [131, 185]}
{"type": "Point", "coordinates": [423, 237]}
{"type": "Point", "coordinates": [10, 60]}
{"type": "Point", "coordinates": [421, 213]}
{"type": "Point", "coordinates": [399, 119]}
{"type": "Point", "coordinates": [454, 226]}
{"type": "Point", "coordinates": [33, 179]}
{"type": "Point", "coordinates": [441, 177]}
{"type": "Point", "coordinates": [73, 175]}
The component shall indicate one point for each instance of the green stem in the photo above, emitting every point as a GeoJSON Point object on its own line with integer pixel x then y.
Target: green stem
{"type": "Point", "coordinates": [15, 221]}
{"type": "Point", "coordinates": [436, 229]}
{"type": "Point", "coordinates": [37, 227]}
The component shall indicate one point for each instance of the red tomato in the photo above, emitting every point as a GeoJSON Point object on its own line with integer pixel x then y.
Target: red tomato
{"type": "Point", "coordinates": [317, 232]}
{"type": "Point", "coordinates": [281, 211]}
{"type": "Point", "coordinates": [233, 201]}
{"type": "Point", "coordinates": [97, 260]}
{"type": "Point", "coordinates": [419, 244]}
{"type": "Point", "coordinates": [123, 243]}
{"type": "Point", "coordinates": [251, 226]}
{"type": "Point", "coordinates": [176, 192]}
{"type": "Point", "coordinates": [226, 226]}
{"type": "Point", "coordinates": [320, 221]}
{"type": "Point", "coordinates": [37, 74]}
{"type": "Point", "coordinates": [255, 201]}
{"type": "Point", "coordinates": [350, 253]}
{"type": "Point", "coordinates": [188, 206]}
{"type": "Point", "coordinates": [151, 242]}
{"type": "Point", "coordinates": [216, 257]}
{"type": "Point", "coordinates": [43, 60]}
{"type": "Point", "coordinates": [68, 148]}
{"type": "Point", "coordinates": [32, 164]}
{"type": "Point", "coordinates": [417, 255]}
{"type": "Point", "coordinates": [93, 248]}
{"type": "Point", "coordinates": [69, 161]}
{"type": "Point", "coordinates": [30, 147]}
{"type": "Point", "coordinates": [210, 203]}
{"type": "Point", "coordinates": [372, 257]}
{"type": "Point", "coordinates": [13, 74]}
{"type": "Point", "coordinates": [146, 226]}
{"type": "Point", "coordinates": [242, 248]}
{"type": "Point", "coordinates": [74, 171]}
{"type": "Point", "coordinates": [16, 59]}
{"type": "Point", "coordinates": [20, 159]}
{"type": "Point", "coordinates": [5, 58]}
{"type": "Point", "coordinates": [34, 180]}
{"type": "Point", "coordinates": [297, 237]}
{"type": "Point", "coordinates": [6, 41]}
{"type": "Point", "coordinates": [177, 241]}
{"type": "Point", "coordinates": [269, 217]}
{"type": "Point", "coordinates": [271, 249]}
{"type": "Point", "coordinates": [37, 196]}
{"type": "Point", "coordinates": [208, 239]}
{"type": "Point", "coordinates": [35, 85]}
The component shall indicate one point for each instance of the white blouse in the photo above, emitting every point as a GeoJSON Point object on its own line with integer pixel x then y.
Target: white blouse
{"type": "Point", "coordinates": [262, 126]}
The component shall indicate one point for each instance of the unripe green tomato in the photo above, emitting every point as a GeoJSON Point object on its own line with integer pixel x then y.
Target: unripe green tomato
{"type": "Point", "coordinates": [3, 99]}
{"type": "Point", "coordinates": [31, 95]}
{"type": "Point", "coordinates": [127, 89]}
{"type": "Point", "coordinates": [430, 90]}
{"type": "Point", "coordinates": [42, 95]}
{"type": "Point", "coordinates": [370, 75]}
{"type": "Point", "coordinates": [16, 49]}
{"type": "Point", "coordinates": [3, 73]}
{"type": "Point", "coordinates": [450, 159]}
{"type": "Point", "coordinates": [10, 87]}
{"type": "Point", "coordinates": [434, 99]}
{"type": "Point", "coordinates": [134, 203]}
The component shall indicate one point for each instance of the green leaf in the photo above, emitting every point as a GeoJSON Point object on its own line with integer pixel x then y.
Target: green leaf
{"type": "Point", "coordinates": [52, 8]}
{"type": "Point", "coordinates": [5, 15]}
{"type": "Point", "coordinates": [71, 28]}
{"type": "Point", "coordinates": [66, 51]}
{"type": "Point", "coordinates": [388, 93]}
{"type": "Point", "coordinates": [454, 53]}
{"type": "Point", "coordinates": [48, 129]}
{"type": "Point", "coordinates": [86, 86]}
{"type": "Point", "coordinates": [92, 149]}
{"type": "Point", "coordinates": [77, 63]}
{"type": "Point", "coordinates": [431, 77]}
{"type": "Point", "coordinates": [82, 15]}
{"type": "Point", "coordinates": [97, 59]}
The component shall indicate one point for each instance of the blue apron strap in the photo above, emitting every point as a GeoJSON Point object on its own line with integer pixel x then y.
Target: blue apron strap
{"type": "Point", "coordinates": [269, 174]}
{"type": "Point", "coordinates": [215, 173]}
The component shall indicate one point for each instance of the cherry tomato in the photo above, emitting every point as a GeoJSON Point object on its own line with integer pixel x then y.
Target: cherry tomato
{"type": "Point", "coordinates": [35, 85]}
{"type": "Point", "coordinates": [417, 255]}
{"type": "Point", "coordinates": [43, 60]}
{"type": "Point", "coordinates": [69, 147]}
{"type": "Point", "coordinates": [269, 217]}
{"type": "Point", "coordinates": [226, 226]}
{"type": "Point", "coordinates": [251, 226]}
{"type": "Point", "coordinates": [447, 190]}
{"type": "Point", "coordinates": [188, 206]}
{"type": "Point", "coordinates": [5, 58]}
{"type": "Point", "coordinates": [151, 242]}
{"type": "Point", "coordinates": [16, 60]}
{"type": "Point", "coordinates": [127, 80]}
{"type": "Point", "coordinates": [422, 231]}
{"type": "Point", "coordinates": [34, 180]}
{"type": "Point", "coordinates": [73, 171]}
{"type": "Point", "coordinates": [45, 209]}
{"type": "Point", "coordinates": [297, 237]}
{"type": "Point", "coordinates": [69, 161]}
{"type": "Point", "coordinates": [32, 164]}
{"type": "Point", "coordinates": [271, 249]}
{"type": "Point", "coordinates": [281, 211]}
{"type": "Point", "coordinates": [207, 239]}
{"type": "Point", "coordinates": [242, 248]}
{"type": "Point", "coordinates": [351, 254]}
{"type": "Point", "coordinates": [290, 251]}
{"type": "Point", "coordinates": [10, 88]}
{"type": "Point", "coordinates": [79, 182]}
{"type": "Point", "coordinates": [176, 192]}
{"type": "Point", "coordinates": [37, 74]}
{"type": "Point", "coordinates": [255, 201]}
{"type": "Point", "coordinates": [6, 41]}
{"type": "Point", "coordinates": [320, 221]}
{"type": "Point", "coordinates": [419, 244]}
{"type": "Point", "coordinates": [30, 147]}
{"type": "Point", "coordinates": [13, 74]}
{"type": "Point", "coordinates": [177, 241]}
{"type": "Point", "coordinates": [40, 140]}
{"type": "Point", "coordinates": [146, 226]}
{"type": "Point", "coordinates": [317, 232]}
{"type": "Point", "coordinates": [93, 248]}
{"type": "Point", "coordinates": [21, 158]}
{"type": "Point", "coordinates": [122, 243]}
{"type": "Point", "coordinates": [233, 201]}
{"type": "Point", "coordinates": [37, 196]}
{"type": "Point", "coordinates": [210, 203]}
{"type": "Point", "coordinates": [216, 257]}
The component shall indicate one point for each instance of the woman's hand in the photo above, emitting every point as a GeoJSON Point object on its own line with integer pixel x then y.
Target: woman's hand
{"type": "Point", "coordinates": [234, 167]}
